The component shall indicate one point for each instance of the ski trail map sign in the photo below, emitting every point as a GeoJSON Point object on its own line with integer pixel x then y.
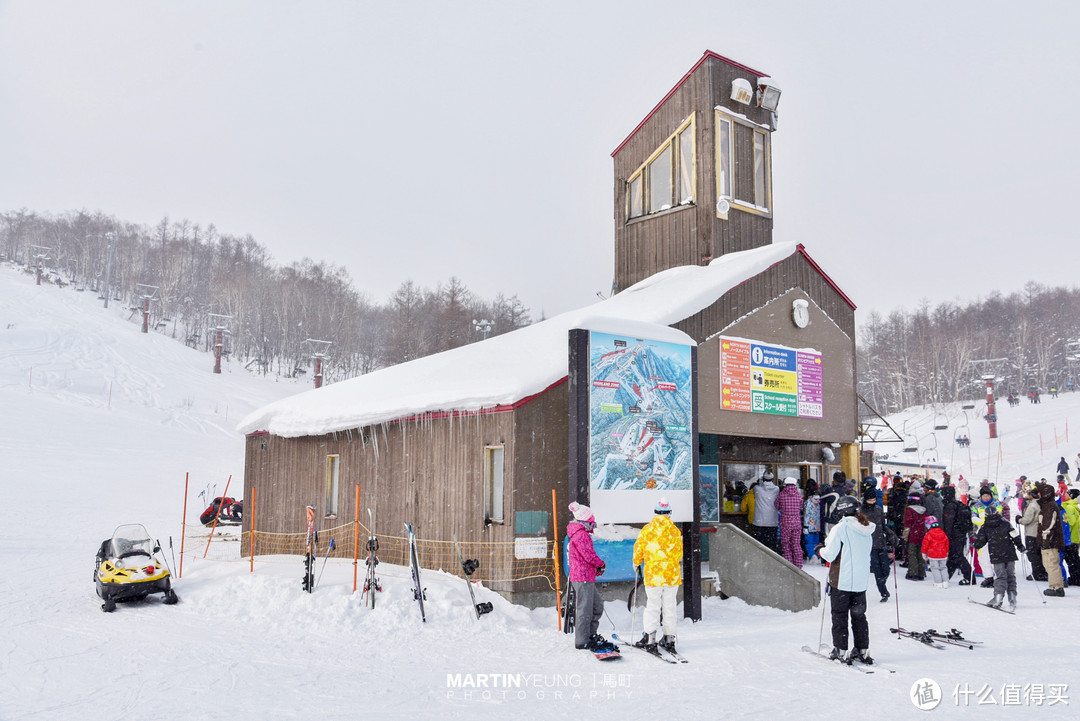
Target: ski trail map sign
{"type": "Point", "coordinates": [762, 378]}
{"type": "Point", "coordinates": [640, 428]}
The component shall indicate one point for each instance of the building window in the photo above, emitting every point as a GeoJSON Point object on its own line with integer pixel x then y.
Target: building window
{"type": "Point", "coordinates": [668, 178]}
{"type": "Point", "coordinates": [761, 170]}
{"type": "Point", "coordinates": [331, 500]}
{"type": "Point", "coordinates": [750, 187]}
{"type": "Point", "coordinates": [723, 158]}
{"type": "Point", "coordinates": [493, 484]}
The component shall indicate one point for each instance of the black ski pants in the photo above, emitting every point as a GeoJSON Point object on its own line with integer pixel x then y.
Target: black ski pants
{"type": "Point", "coordinates": [845, 604]}
{"type": "Point", "coordinates": [1072, 561]}
{"type": "Point", "coordinates": [1034, 554]}
{"type": "Point", "coordinates": [879, 566]}
{"type": "Point", "coordinates": [958, 558]}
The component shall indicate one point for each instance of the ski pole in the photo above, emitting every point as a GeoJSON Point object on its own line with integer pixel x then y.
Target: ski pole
{"type": "Point", "coordinates": [172, 552]}
{"type": "Point", "coordinates": [971, 581]}
{"type": "Point", "coordinates": [896, 590]}
{"type": "Point", "coordinates": [325, 559]}
{"type": "Point", "coordinates": [821, 628]}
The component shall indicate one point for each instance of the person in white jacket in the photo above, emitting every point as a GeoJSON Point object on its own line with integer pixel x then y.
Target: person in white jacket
{"type": "Point", "coordinates": [847, 548]}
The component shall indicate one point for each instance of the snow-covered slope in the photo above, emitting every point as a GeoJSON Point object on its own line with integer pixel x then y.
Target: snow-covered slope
{"type": "Point", "coordinates": [74, 463]}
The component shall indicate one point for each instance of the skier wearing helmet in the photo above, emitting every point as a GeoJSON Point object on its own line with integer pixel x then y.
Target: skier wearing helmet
{"type": "Point", "coordinates": [847, 548]}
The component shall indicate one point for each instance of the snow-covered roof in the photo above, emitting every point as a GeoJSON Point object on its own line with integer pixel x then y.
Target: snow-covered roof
{"type": "Point", "coordinates": [508, 368]}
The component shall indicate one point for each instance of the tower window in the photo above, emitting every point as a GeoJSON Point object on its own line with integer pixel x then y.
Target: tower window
{"type": "Point", "coordinates": [668, 178]}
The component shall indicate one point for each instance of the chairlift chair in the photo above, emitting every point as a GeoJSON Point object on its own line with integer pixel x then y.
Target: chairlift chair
{"type": "Point", "coordinates": [941, 422]}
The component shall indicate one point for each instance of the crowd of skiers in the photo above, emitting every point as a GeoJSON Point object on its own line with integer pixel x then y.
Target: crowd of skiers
{"type": "Point", "coordinates": [921, 526]}
{"type": "Point", "coordinates": [871, 527]}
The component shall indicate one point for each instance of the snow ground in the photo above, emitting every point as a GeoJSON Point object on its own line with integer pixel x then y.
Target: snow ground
{"type": "Point", "coordinates": [241, 645]}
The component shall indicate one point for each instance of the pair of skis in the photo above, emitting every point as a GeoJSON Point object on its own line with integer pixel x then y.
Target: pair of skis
{"type": "Point", "coordinates": [371, 582]}
{"type": "Point", "coordinates": [854, 664]}
{"type": "Point", "coordinates": [310, 545]}
{"type": "Point", "coordinates": [653, 650]}
{"type": "Point", "coordinates": [419, 592]}
{"type": "Point", "coordinates": [937, 640]}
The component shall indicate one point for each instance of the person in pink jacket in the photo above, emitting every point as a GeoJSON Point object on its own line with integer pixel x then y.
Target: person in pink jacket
{"type": "Point", "coordinates": [584, 567]}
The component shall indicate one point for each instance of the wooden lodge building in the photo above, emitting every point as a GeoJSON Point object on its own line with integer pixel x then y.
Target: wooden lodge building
{"type": "Point", "coordinates": [472, 442]}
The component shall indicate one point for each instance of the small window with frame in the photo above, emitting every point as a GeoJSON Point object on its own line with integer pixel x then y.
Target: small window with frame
{"type": "Point", "coordinates": [493, 484]}
{"type": "Point", "coordinates": [332, 479]}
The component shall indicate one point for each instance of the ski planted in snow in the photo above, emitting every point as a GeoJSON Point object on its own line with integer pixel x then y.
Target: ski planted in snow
{"type": "Point", "coordinates": [920, 636]}
{"type": "Point", "coordinates": [468, 567]}
{"type": "Point", "coordinates": [419, 592]}
{"type": "Point", "coordinates": [652, 649]}
{"type": "Point", "coordinates": [371, 582]}
{"type": "Point", "coordinates": [861, 668]}
{"type": "Point", "coordinates": [309, 553]}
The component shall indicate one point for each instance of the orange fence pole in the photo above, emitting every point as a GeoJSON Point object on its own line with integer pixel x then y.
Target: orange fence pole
{"type": "Point", "coordinates": [183, 526]}
{"type": "Point", "coordinates": [216, 517]}
{"type": "Point", "coordinates": [356, 539]}
{"type": "Point", "coordinates": [249, 511]}
{"type": "Point", "coordinates": [558, 581]}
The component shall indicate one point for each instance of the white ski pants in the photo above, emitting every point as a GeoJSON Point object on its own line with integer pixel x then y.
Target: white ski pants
{"type": "Point", "coordinates": [660, 598]}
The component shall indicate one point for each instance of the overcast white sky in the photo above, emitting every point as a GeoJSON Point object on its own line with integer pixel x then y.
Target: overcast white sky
{"type": "Point", "coordinates": [924, 150]}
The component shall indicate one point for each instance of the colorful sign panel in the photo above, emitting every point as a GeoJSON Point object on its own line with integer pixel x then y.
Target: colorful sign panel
{"type": "Point", "coordinates": [640, 428]}
{"type": "Point", "coordinates": [763, 378]}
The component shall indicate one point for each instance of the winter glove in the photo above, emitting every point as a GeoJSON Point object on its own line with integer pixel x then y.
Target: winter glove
{"type": "Point", "coordinates": [600, 569]}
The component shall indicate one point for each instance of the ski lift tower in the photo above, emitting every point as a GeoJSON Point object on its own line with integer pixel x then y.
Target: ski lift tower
{"type": "Point", "coordinates": [219, 325]}
{"type": "Point", "coordinates": [40, 255]}
{"type": "Point", "coordinates": [989, 369]}
{"type": "Point", "coordinates": [147, 293]}
{"type": "Point", "coordinates": [317, 350]}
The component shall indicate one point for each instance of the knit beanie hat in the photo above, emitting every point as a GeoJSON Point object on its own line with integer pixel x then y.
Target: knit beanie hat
{"type": "Point", "coordinates": [870, 495]}
{"type": "Point", "coordinates": [662, 506]}
{"type": "Point", "coordinates": [789, 481]}
{"type": "Point", "coordinates": [916, 487]}
{"type": "Point", "coordinates": [581, 513]}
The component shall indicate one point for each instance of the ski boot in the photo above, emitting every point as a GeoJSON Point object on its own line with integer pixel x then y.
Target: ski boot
{"type": "Point", "coordinates": [667, 643]}
{"type": "Point", "coordinates": [647, 641]}
{"type": "Point", "coordinates": [885, 597]}
{"type": "Point", "coordinates": [944, 584]}
{"type": "Point", "coordinates": [995, 602]}
{"type": "Point", "coordinates": [860, 655]}
{"type": "Point", "coordinates": [1060, 592]}
{"type": "Point", "coordinates": [963, 582]}
{"type": "Point", "coordinates": [987, 582]}
{"type": "Point", "coordinates": [837, 655]}
{"type": "Point", "coordinates": [1012, 601]}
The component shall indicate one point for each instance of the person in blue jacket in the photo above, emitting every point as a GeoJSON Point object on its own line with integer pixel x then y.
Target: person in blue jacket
{"type": "Point", "coordinates": [847, 548]}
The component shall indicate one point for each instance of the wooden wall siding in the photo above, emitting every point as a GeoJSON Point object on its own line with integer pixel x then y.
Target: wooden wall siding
{"type": "Point", "coordinates": [428, 472]}
{"type": "Point", "coordinates": [541, 464]}
{"type": "Point", "coordinates": [684, 236]}
{"type": "Point", "coordinates": [792, 272]}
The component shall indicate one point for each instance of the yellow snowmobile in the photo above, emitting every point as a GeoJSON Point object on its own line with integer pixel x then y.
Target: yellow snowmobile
{"type": "Point", "coordinates": [128, 568]}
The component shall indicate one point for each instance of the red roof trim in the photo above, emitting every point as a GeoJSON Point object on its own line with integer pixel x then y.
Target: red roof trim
{"type": "Point", "coordinates": [708, 54]}
{"type": "Point", "coordinates": [802, 251]}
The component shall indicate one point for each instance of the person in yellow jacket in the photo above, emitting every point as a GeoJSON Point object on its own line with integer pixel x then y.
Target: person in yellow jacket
{"type": "Point", "coordinates": [659, 547]}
